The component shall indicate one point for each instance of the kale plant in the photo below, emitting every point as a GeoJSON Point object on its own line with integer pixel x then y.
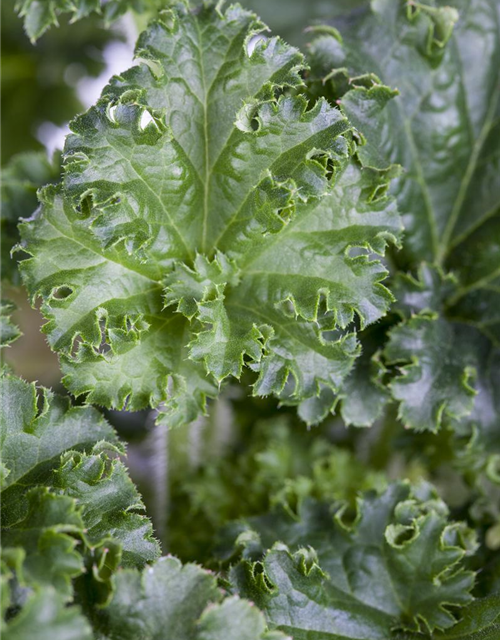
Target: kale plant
{"type": "Point", "coordinates": [286, 266]}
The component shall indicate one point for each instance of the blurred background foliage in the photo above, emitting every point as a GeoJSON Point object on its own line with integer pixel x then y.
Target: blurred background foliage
{"type": "Point", "coordinates": [39, 82]}
{"type": "Point", "coordinates": [204, 469]}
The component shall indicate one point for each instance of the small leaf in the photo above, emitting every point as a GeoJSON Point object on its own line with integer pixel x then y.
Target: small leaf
{"type": "Point", "coordinates": [181, 601]}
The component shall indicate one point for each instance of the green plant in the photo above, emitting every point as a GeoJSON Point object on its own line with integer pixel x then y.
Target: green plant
{"type": "Point", "coordinates": [270, 253]}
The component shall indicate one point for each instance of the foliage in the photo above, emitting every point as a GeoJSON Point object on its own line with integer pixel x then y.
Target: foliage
{"type": "Point", "coordinates": [254, 250]}
{"type": "Point", "coordinates": [21, 178]}
{"type": "Point", "coordinates": [40, 15]}
{"type": "Point", "coordinates": [449, 200]}
{"type": "Point", "coordinates": [229, 216]}
{"type": "Point", "coordinates": [40, 84]}
{"type": "Point", "coordinates": [9, 332]}
{"type": "Point", "coordinates": [385, 544]}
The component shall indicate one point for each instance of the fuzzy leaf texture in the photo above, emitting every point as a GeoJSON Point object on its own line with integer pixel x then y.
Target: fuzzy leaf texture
{"type": "Point", "coordinates": [68, 504]}
{"type": "Point", "coordinates": [443, 129]}
{"type": "Point", "coordinates": [210, 219]}
{"type": "Point", "coordinates": [399, 565]}
{"type": "Point", "coordinates": [171, 600]}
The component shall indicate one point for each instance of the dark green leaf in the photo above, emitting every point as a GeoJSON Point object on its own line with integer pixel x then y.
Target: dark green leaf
{"type": "Point", "coordinates": [398, 564]}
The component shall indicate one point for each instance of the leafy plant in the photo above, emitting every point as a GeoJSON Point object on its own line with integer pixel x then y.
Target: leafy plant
{"type": "Point", "coordinates": [241, 242]}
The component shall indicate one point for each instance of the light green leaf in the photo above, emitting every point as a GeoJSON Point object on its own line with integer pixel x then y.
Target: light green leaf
{"type": "Point", "coordinates": [46, 617]}
{"type": "Point", "coordinates": [179, 601]}
{"type": "Point", "coordinates": [398, 565]}
{"type": "Point", "coordinates": [200, 180]}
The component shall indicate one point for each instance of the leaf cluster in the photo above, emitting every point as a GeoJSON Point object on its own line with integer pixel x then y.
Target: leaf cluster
{"type": "Point", "coordinates": [323, 229]}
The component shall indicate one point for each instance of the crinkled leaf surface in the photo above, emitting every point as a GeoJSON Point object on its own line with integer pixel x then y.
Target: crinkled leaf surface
{"type": "Point", "coordinates": [67, 510]}
{"type": "Point", "coordinates": [479, 621]}
{"type": "Point", "coordinates": [443, 125]}
{"type": "Point", "coordinates": [398, 565]}
{"type": "Point", "coordinates": [171, 600]}
{"type": "Point", "coordinates": [23, 175]}
{"type": "Point", "coordinates": [47, 535]}
{"type": "Point", "coordinates": [205, 223]}
{"type": "Point", "coordinates": [443, 129]}
{"type": "Point", "coordinates": [32, 440]}
{"type": "Point", "coordinates": [438, 383]}
{"type": "Point", "coordinates": [110, 504]}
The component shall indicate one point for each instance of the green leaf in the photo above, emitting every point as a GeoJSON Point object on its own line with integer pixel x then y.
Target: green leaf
{"type": "Point", "coordinates": [448, 102]}
{"type": "Point", "coordinates": [182, 601]}
{"type": "Point", "coordinates": [32, 441]}
{"type": "Point", "coordinates": [439, 380]}
{"type": "Point", "coordinates": [40, 15]}
{"type": "Point", "coordinates": [9, 332]}
{"type": "Point", "coordinates": [282, 462]}
{"type": "Point", "coordinates": [298, 15]}
{"type": "Point", "coordinates": [439, 383]}
{"type": "Point", "coordinates": [398, 565]}
{"type": "Point", "coordinates": [23, 175]}
{"type": "Point", "coordinates": [67, 502]}
{"type": "Point", "coordinates": [47, 534]}
{"type": "Point", "coordinates": [443, 129]}
{"type": "Point", "coordinates": [109, 503]}
{"type": "Point", "coordinates": [364, 394]}
{"type": "Point", "coordinates": [46, 617]}
{"type": "Point", "coordinates": [479, 621]}
{"type": "Point", "coordinates": [200, 180]}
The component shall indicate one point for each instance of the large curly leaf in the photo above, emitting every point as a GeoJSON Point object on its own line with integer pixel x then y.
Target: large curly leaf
{"type": "Point", "coordinates": [443, 129]}
{"type": "Point", "coordinates": [68, 511]}
{"type": "Point", "coordinates": [32, 440]}
{"type": "Point", "coordinates": [398, 565]}
{"type": "Point", "coordinates": [171, 600]}
{"type": "Point", "coordinates": [192, 185]}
